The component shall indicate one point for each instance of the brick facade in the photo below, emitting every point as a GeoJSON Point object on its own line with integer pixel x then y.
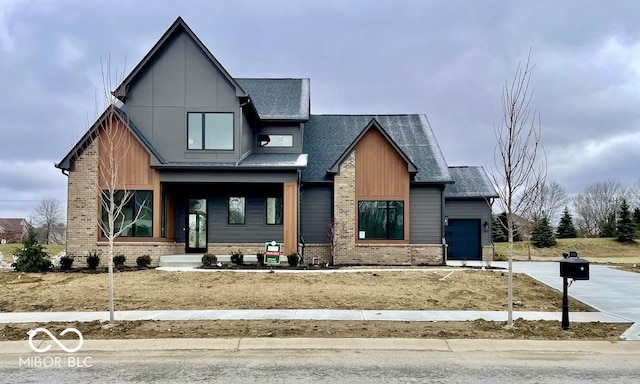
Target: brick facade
{"type": "Point", "coordinates": [83, 205]}
{"type": "Point", "coordinates": [316, 254]}
{"type": "Point", "coordinates": [344, 208]}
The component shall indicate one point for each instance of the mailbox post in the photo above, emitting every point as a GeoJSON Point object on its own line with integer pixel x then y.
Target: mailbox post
{"type": "Point", "coordinates": [571, 267]}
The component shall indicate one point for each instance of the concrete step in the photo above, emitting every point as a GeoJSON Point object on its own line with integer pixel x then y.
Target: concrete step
{"type": "Point", "coordinates": [193, 260]}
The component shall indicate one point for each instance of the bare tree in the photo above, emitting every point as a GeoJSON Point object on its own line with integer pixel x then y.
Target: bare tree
{"type": "Point", "coordinates": [634, 195]}
{"type": "Point", "coordinates": [519, 171]}
{"type": "Point", "coordinates": [47, 216]}
{"type": "Point", "coordinates": [114, 142]}
{"type": "Point", "coordinates": [549, 202]}
{"type": "Point", "coordinates": [596, 204]}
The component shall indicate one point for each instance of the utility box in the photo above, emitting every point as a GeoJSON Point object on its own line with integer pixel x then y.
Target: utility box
{"type": "Point", "coordinates": [574, 268]}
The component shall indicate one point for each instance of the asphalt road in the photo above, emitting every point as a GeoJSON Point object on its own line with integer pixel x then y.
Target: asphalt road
{"type": "Point", "coordinates": [327, 366]}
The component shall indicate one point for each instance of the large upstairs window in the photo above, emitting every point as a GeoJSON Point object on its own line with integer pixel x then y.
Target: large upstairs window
{"type": "Point", "coordinates": [208, 130]}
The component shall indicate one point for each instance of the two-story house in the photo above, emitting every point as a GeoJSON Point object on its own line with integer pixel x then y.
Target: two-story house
{"type": "Point", "coordinates": [219, 163]}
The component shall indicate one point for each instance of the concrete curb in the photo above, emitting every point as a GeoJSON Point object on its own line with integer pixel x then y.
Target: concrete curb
{"type": "Point", "coordinates": [302, 344]}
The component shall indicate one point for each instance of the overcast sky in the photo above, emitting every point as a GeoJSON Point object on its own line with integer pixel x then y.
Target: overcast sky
{"type": "Point", "coordinates": [446, 59]}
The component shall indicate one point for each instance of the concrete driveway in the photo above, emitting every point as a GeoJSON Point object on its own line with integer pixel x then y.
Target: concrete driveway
{"type": "Point", "coordinates": [608, 289]}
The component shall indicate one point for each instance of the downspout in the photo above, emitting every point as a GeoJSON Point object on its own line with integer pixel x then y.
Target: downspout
{"type": "Point", "coordinates": [442, 232]}
{"type": "Point", "coordinates": [241, 117]}
{"type": "Point", "coordinates": [66, 229]}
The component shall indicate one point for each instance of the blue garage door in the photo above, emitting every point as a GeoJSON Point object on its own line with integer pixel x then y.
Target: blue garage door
{"type": "Point", "coordinates": [463, 239]}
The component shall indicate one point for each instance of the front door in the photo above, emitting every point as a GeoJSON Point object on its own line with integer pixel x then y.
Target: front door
{"type": "Point", "coordinates": [197, 226]}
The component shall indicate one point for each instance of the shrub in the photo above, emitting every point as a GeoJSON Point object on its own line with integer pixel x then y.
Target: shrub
{"type": "Point", "coordinates": [260, 257]}
{"type": "Point", "coordinates": [209, 259]}
{"type": "Point", "coordinates": [32, 257]}
{"type": "Point", "coordinates": [237, 257]}
{"type": "Point", "coordinates": [293, 259]}
{"type": "Point", "coordinates": [143, 261]}
{"type": "Point", "coordinates": [66, 262]}
{"type": "Point", "coordinates": [119, 260]}
{"type": "Point", "coordinates": [93, 260]}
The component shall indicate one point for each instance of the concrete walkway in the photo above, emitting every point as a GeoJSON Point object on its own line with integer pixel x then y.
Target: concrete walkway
{"type": "Point", "coordinates": [303, 314]}
{"type": "Point", "coordinates": [609, 290]}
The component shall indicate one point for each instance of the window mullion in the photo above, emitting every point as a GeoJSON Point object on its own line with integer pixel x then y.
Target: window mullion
{"type": "Point", "coordinates": [203, 129]}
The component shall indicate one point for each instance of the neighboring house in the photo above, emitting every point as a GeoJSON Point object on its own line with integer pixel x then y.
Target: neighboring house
{"type": "Point", "coordinates": [13, 230]}
{"type": "Point", "coordinates": [221, 163]}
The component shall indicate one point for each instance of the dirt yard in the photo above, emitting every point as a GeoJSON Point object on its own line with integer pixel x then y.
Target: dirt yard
{"type": "Point", "coordinates": [427, 289]}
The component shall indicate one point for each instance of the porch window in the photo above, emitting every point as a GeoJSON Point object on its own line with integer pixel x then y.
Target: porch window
{"type": "Point", "coordinates": [136, 201]}
{"type": "Point", "coordinates": [274, 210]}
{"type": "Point", "coordinates": [236, 210]}
{"type": "Point", "coordinates": [381, 220]}
{"type": "Point", "coordinates": [210, 131]}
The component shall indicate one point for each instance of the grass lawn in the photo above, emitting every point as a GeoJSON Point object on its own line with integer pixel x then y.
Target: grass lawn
{"type": "Point", "coordinates": [597, 250]}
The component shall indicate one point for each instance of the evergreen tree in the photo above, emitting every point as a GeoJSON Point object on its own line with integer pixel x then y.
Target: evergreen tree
{"type": "Point", "coordinates": [542, 235]}
{"type": "Point", "coordinates": [566, 229]}
{"type": "Point", "coordinates": [636, 219]}
{"type": "Point", "coordinates": [609, 227]}
{"type": "Point", "coordinates": [32, 257]}
{"type": "Point", "coordinates": [626, 228]}
{"type": "Point", "coordinates": [497, 231]}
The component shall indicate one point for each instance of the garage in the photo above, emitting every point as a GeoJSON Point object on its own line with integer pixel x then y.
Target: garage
{"type": "Point", "coordinates": [463, 239]}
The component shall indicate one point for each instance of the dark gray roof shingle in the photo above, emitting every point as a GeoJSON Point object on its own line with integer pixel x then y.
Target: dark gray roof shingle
{"type": "Point", "coordinates": [326, 137]}
{"type": "Point", "coordinates": [469, 182]}
{"type": "Point", "coordinates": [253, 161]}
{"type": "Point", "coordinates": [278, 99]}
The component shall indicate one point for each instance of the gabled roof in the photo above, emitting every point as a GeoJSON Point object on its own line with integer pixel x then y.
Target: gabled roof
{"type": "Point", "coordinates": [178, 26]}
{"type": "Point", "coordinates": [327, 137]}
{"type": "Point", "coordinates": [470, 182]}
{"type": "Point", "coordinates": [373, 124]}
{"type": "Point", "coordinates": [67, 162]}
{"type": "Point", "coordinates": [279, 99]}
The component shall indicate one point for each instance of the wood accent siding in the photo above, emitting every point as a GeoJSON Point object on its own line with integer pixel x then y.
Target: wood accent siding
{"type": "Point", "coordinates": [381, 174]}
{"type": "Point", "coordinates": [290, 219]}
{"type": "Point", "coordinates": [119, 150]}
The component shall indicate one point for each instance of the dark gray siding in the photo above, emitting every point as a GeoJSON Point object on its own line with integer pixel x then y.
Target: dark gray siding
{"type": "Point", "coordinates": [316, 212]}
{"type": "Point", "coordinates": [181, 80]}
{"type": "Point", "coordinates": [255, 229]}
{"type": "Point", "coordinates": [426, 215]}
{"type": "Point", "coordinates": [471, 209]}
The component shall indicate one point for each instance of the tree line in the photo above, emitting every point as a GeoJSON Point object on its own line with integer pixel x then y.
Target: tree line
{"type": "Point", "coordinates": [602, 209]}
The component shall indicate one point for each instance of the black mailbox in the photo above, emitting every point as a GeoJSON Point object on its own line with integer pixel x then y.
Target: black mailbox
{"type": "Point", "coordinates": [574, 268]}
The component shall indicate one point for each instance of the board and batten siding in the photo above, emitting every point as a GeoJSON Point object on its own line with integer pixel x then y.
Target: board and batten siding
{"type": "Point", "coordinates": [254, 230]}
{"type": "Point", "coordinates": [182, 79]}
{"type": "Point", "coordinates": [471, 209]}
{"type": "Point", "coordinates": [315, 207]}
{"type": "Point", "coordinates": [426, 215]}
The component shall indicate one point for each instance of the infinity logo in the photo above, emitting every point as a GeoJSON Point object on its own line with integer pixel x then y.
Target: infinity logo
{"type": "Point", "coordinates": [34, 332]}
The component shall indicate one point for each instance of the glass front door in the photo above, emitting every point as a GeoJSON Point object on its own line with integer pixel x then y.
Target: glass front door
{"type": "Point", "coordinates": [197, 226]}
